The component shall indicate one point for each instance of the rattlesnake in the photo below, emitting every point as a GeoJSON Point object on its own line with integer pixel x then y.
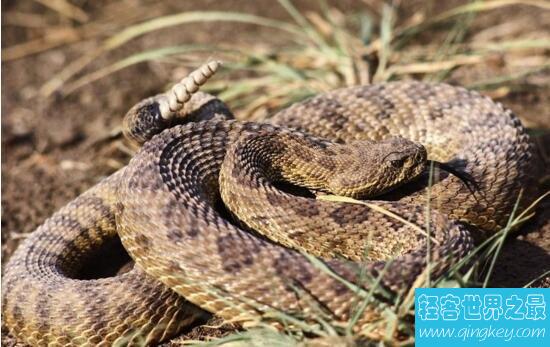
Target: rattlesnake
{"type": "Point", "coordinates": [189, 248]}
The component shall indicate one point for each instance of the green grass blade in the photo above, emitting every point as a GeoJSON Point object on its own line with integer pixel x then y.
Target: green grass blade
{"type": "Point", "coordinates": [500, 243]}
{"type": "Point", "coordinates": [311, 32]}
{"type": "Point", "coordinates": [198, 16]}
{"type": "Point", "coordinates": [150, 55]}
{"type": "Point", "coordinates": [428, 227]}
{"type": "Point", "coordinates": [386, 32]}
{"type": "Point", "coordinates": [543, 275]}
{"type": "Point", "coordinates": [482, 6]}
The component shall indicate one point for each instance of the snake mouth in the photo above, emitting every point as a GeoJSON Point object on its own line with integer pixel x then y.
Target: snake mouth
{"type": "Point", "coordinates": [468, 180]}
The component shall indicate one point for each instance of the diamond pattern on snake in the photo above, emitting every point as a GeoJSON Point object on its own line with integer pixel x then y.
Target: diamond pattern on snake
{"type": "Point", "coordinates": [375, 143]}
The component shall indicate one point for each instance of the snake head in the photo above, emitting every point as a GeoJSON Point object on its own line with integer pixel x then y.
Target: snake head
{"type": "Point", "coordinates": [375, 168]}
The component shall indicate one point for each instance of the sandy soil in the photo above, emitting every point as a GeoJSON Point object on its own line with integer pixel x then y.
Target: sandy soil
{"type": "Point", "coordinates": [54, 148]}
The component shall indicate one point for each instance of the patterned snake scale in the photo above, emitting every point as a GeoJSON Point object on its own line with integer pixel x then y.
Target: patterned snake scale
{"type": "Point", "coordinates": [191, 250]}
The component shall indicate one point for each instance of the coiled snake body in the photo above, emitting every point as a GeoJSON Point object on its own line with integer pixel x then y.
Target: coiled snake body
{"type": "Point", "coordinates": [165, 206]}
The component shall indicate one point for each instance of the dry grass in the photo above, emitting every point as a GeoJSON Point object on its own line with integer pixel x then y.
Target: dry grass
{"type": "Point", "coordinates": [327, 50]}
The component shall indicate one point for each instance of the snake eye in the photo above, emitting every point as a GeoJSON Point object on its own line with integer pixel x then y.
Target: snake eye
{"type": "Point", "coordinates": [395, 159]}
{"type": "Point", "coordinates": [397, 163]}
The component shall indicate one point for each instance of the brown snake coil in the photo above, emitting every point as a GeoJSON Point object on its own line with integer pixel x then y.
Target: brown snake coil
{"type": "Point", "coordinates": [165, 206]}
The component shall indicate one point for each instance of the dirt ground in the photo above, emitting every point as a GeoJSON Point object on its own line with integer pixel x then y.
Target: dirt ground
{"type": "Point", "coordinates": [55, 147]}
